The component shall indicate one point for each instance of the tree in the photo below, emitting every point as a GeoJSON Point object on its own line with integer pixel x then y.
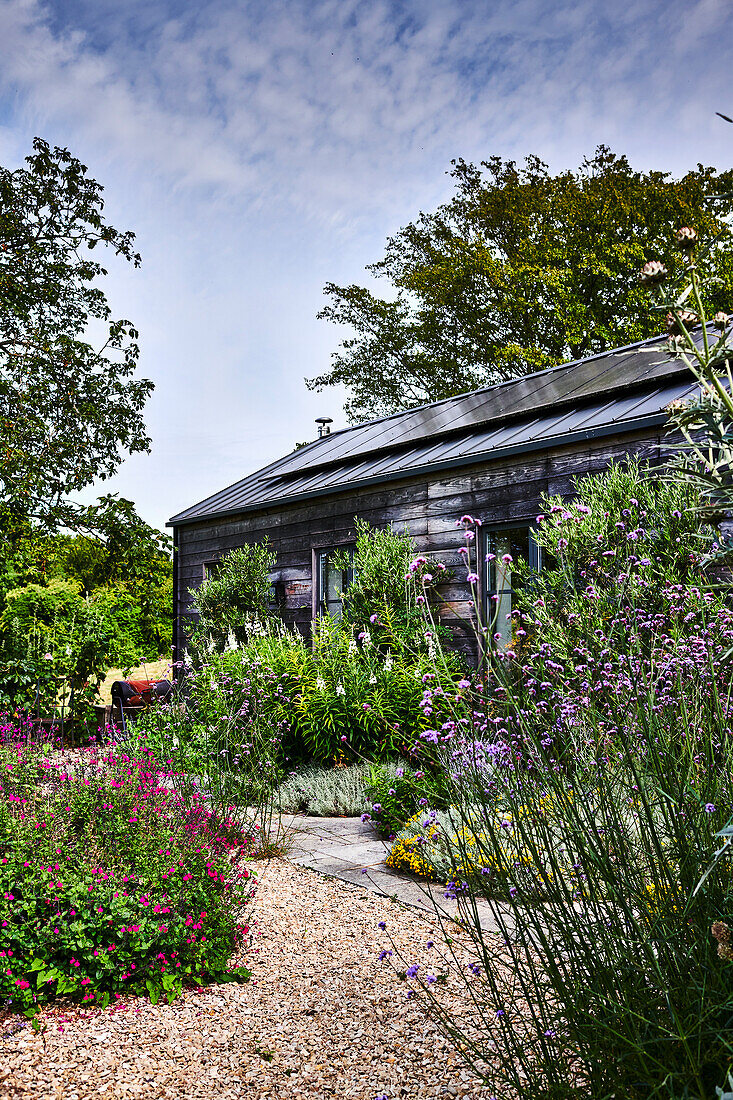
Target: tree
{"type": "Point", "coordinates": [235, 601]}
{"type": "Point", "coordinates": [520, 270]}
{"type": "Point", "coordinates": [70, 406]}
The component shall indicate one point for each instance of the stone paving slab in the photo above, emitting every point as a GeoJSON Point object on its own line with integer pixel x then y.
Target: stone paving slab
{"type": "Point", "coordinates": [348, 849]}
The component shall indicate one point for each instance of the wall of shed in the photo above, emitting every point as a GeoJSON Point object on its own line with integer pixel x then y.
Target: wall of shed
{"type": "Point", "coordinates": [498, 492]}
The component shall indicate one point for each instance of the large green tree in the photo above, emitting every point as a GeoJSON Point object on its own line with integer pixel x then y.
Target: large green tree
{"type": "Point", "coordinates": [520, 270]}
{"type": "Point", "coordinates": [70, 404]}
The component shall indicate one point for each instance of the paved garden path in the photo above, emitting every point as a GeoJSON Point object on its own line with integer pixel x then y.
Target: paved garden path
{"type": "Point", "coordinates": [348, 848]}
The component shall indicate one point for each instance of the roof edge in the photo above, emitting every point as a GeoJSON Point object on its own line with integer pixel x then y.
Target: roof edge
{"type": "Point", "coordinates": [651, 420]}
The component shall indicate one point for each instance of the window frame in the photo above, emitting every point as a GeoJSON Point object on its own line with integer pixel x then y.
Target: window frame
{"type": "Point", "coordinates": [319, 554]}
{"type": "Point", "coordinates": [536, 565]}
{"type": "Point", "coordinates": [210, 568]}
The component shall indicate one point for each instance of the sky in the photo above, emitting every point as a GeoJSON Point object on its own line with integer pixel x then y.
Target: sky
{"type": "Point", "coordinates": [261, 148]}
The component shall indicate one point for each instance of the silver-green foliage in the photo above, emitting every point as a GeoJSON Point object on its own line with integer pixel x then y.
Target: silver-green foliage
{"type": "Point", "coordinates": [328, 792]}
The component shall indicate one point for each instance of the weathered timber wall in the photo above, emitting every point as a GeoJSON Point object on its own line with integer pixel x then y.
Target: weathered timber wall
{"type": "Point", "coordinates": [499, 492]}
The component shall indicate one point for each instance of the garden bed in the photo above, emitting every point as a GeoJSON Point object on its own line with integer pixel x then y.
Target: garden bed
{"type": "Point", "coordinates": [322, 1016]}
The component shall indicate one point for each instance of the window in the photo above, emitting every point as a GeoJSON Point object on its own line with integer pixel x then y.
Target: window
{"type": "Point", "coordinates": [333, 579]}
{"type": "Point", "coordinates": [502, 547]}
{"type": "Point", "coordinates": [211, 568]}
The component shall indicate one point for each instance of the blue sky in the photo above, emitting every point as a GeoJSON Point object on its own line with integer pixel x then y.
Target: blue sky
{"type": "Point", "coordinates": [260, 148]}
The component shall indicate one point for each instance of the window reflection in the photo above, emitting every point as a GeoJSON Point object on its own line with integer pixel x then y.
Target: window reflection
{"type": "Point", "coordinates": [504, 547]}
{"type": "Point", "coordinates": [335, 574]}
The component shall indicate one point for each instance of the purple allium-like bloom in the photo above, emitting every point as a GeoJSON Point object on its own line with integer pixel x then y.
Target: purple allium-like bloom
{"type": "Point", "coordinates": [384, 955]}
{"type": "Point", "coordinates": [366, 817]}
{"type": "Point", "coordinates": [412, 970]}
{"type": "Point", "coordinates": [382, 925]}
{"type": "Point", "coordinates": [709, 808]}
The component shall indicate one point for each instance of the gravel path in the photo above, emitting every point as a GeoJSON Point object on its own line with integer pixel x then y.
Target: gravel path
{"type": "Point", "coordinates": [322, 1017]}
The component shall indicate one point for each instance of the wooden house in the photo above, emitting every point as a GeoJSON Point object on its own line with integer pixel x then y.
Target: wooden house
{"type": "Point", "coordinates": [490, 453]}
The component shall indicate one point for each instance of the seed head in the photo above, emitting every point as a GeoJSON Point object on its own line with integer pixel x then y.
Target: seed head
{"type": "Point", "coordinates": [681, 317]}
{"type": "Point", "coordinates": [686, 238]}
{"type": "Point", "coordinates": [721, 932]}
{"type": "Point", "coordinates": [652, 273]}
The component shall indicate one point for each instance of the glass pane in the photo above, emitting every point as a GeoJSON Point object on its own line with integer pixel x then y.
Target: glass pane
{"type": "Point", "coordinates": [332, 581]}
{"type": "Point", "coordinates": [504, 547]}
{"type": "Point", "coordinates": [512, 543]}
{"type": "Point", "coordinates": [501, 623]}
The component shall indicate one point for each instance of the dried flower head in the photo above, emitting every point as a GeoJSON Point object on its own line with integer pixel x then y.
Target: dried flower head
{"type": "Point", "coordinates": [720, 320]}
{"type": "Point", "coordinates": [679, 320]}
{"type": "Point", "coordinates": [686, 238]}
{"type": "Point", "coordinates": [652, 273]}
{"type": "Point", "coordinates": [721, 933]}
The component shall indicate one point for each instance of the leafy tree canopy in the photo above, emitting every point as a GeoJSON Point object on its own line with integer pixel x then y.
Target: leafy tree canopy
{"type": "Point", "coordinates": [520, 270]}
{"type": "Point", "coordinates": [70, 406]}
{"type": "Point", "coordinates": [234, 601]}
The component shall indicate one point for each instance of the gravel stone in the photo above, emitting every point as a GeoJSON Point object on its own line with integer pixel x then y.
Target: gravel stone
{"type": "Point", "coordinates": [320, 1017]}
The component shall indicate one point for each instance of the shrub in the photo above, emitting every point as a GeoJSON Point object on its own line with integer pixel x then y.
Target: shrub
{"type": "Point", "coordinates": [234, 603]}
{"type": "Point", "coordinates": [398, 793]}
{"type": "Point", "coordinates": [627, 535]}
{"type": "Point", "coordinates": [326, 792]}
{"type": "Point", "coordinates": [56, 640]}
{"type": "Point", "coordinates": [110, 882]}
{"type": "Point", "coordinates": [381, 598]}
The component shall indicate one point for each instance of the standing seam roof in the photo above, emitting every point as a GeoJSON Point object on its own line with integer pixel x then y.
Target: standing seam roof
{"type": "Point", "coordinates": [604, 392]}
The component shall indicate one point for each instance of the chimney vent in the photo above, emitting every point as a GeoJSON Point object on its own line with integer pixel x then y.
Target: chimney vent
{"type": "Point", "coordinates": [324, 423]}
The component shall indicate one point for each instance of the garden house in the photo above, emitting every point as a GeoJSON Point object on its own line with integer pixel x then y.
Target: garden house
{"type": "Point", "coordinates": [490, 453]}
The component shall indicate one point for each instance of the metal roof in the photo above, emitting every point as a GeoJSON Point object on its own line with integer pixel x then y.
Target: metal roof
{"type": "Point", "coordinates": [603, 394]}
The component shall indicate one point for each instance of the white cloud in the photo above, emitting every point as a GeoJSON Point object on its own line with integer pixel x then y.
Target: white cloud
{"type": "Point", "coordinates": [261, 149]}
{"type": "Point", "coordinates": [327, 103]}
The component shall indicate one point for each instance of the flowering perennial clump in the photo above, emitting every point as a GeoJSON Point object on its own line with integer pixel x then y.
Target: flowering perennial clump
{"type": "Point", "coordinates": [110, 881]}
{"type": "Point", "coordinates": [592, 782]}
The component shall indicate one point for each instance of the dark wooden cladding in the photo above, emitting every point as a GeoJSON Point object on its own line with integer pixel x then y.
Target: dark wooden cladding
{"type": "Point", "coordinates": [500, 493]}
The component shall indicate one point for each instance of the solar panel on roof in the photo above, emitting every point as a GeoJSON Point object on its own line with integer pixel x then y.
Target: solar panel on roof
{"type": "Point", "coordinates": [592, 394]}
